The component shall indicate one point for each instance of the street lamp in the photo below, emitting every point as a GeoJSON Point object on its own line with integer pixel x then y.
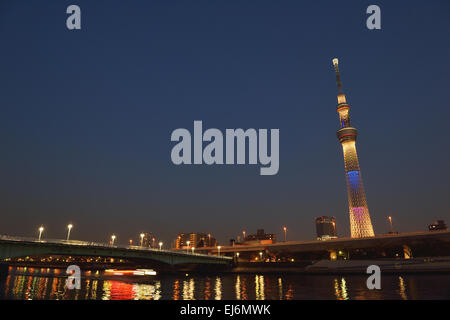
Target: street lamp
{"type": "Point", "coordinates": [69, 227]}
{"type": "Point", "coordinates": [260, 255]}
{"type": "Point", "coordinates": [237, 255]}
{"type": "Point", "coordinates": [390, 223]}
{"type": "Point", "coordinates": [41, 229]}
{"type": "Point", "coordinates": [187, 249]}
{"type": "Point", "coordinates": [218, 250]}
{"type": "Point", "coordinates": [131, 242]}
{"type": "Point", "coordinates": [243, 233]}
{"type": "Point", "coordinates": [142, 239]}
{"type": "Point", "coordinates": [160, 245]}
{"type": "Point", "coordinates": [193, 248]}
{"type": "Point", "coordinates": [113, 237]}
{"type": "Point", "coordinates": [285, 233]}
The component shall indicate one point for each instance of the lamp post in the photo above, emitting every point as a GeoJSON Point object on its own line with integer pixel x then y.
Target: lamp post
{"type": "Point", "coordinates": [285, 234]}
{"type": "Point", "coordinates": [193, 248]}
{"type": "Point", "coordinates": [160, 245]}
{"type": "Point", "coordinates": [187, 249]}
{"type": "Point", "coordinates": [260, 255]}
{"type": "Point", "coordinates": [243, 233]}
{"type": "Point", "coordinates": [131, 242]}
{"type": "Point", "coordinates": [390, 223]}
{"type": "Point", "coordinates": [41, 229]}
{"type": "Point", "coordinates": [142, 239]}
{"type": "Point", "coordinates": [237, 256]}
{"type": "Point", "coordinates": [69, 227]}
{"type": "Point", "coordinates": [218, 250]}
{"type": "Point", "coordinates": [113, 237]}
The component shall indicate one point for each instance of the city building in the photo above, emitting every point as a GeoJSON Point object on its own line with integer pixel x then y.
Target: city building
{"type": "Point", "coordinates": [360, 223]}
{"type": "Point", "coordinates": [197, 240]}
{"type": "Point", "coordinates": [147, 240]}
{"type": "Point", "coordinates": [326, 228]}
{"type": "Point", "coordinates": [260, 238]}
{"type": "Point", "coordinates": [437, 225]}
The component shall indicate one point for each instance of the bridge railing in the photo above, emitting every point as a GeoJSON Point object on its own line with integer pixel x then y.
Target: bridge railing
{"type": "Point", "coordinates": [97, 244]}
{"type": "Point", "coordinates": [56, 241]}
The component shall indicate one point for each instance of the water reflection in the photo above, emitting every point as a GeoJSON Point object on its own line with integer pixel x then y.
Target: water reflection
{"type": "Point", "coordinates": [402, 288]}
{"type": "Point", "coordinates": [238, 287]}
{"type": "Point", "coordinates": [36, 283]}
{"type": "Point", "coordinates": [340, 289]}
{"type": "Point", "coordinates": [188, 289]}
{"type": "Point", "coordinates": [207, 295]}
{"type": "Point", "coordinates": [243, 287]}
{"type": "Point", "coordinates": [218, 289]}
{"type": "Point", "coordinates": [280, 289]}
{"type": "Point", "coordinates": [176, 290]}
{"type": "Point", "coordinates": [259, 287]}
{"type": "Point", "coordinates": [290, 292]}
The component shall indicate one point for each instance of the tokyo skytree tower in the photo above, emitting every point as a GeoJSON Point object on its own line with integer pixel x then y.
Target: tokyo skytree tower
{"type": "Point", "coordinates": [360, 224]}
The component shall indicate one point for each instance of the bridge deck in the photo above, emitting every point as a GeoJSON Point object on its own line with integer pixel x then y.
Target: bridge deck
{"type": "Point", "coordinates": [12, 247]}
{"type": "Point", "coordinates": [410, 238]}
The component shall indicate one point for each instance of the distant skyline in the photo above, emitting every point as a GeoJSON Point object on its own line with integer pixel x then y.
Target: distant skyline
{"type": "Point", "coordinates": [86, 115]}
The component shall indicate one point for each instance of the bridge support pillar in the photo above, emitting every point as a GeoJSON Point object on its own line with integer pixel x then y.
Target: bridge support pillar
{"type": "Point", "coordinates": [3, 270]}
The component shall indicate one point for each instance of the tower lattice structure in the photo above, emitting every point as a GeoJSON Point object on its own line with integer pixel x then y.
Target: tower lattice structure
{"type": "Point", "coordinates": [360, 223]}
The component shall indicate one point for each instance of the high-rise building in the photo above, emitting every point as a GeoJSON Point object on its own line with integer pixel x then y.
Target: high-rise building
{"type": "Point", "coordinates": [260, 237]}
{"type": "Point", "coordinates": [360, 223]}
{"type": "Point", "coordinates": [147, 240]}
{"type": "Point", "coordinates": [326, 228]}
{"type": "Point", "coordinates": [195, 239]}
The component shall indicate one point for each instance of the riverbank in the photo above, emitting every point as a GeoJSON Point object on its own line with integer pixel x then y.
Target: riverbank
{"type": "Point", "coordinates": [417, 265]}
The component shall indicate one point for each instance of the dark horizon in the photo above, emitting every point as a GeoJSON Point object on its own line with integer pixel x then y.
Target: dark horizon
{"type": "Point", "coordinates": [87, 116]}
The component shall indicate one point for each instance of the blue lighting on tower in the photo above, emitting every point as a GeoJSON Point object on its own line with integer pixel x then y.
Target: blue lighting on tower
{"type": "Point", "coordinates": [353, 179]}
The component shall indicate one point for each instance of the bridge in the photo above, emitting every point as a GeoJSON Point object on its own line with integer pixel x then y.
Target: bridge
{"type": "Point", "coordinates": [427, 243]}
{"type": "Point", "coordinates": [16, 247]}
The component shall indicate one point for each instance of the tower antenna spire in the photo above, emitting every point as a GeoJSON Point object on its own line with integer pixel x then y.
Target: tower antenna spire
{"type": "Point", "coordinates": [360, 223]}
{"type": "Point", "coordinates": [338, 76]}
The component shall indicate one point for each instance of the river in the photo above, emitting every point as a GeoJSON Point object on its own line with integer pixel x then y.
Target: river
{"type": "Point", "coordinates": [49, 284]}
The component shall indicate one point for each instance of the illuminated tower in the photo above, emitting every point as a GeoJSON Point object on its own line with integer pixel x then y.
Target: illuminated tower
{"type": "Point", "coordinates": [360, 224]}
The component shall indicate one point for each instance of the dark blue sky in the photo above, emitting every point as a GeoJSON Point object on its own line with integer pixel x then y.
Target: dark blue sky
{"type": "Point", "coordinates": [86, 116]}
